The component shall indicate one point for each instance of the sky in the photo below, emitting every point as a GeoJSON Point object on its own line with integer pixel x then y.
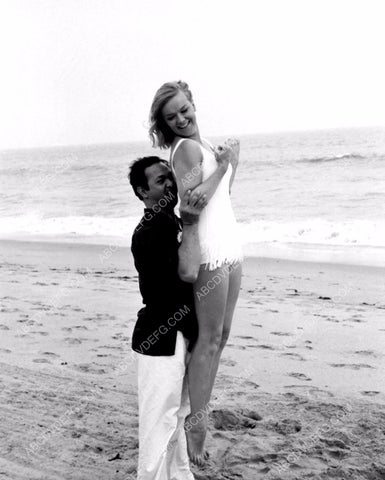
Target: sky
{"type": "Point", "coordinates": [85, 71]}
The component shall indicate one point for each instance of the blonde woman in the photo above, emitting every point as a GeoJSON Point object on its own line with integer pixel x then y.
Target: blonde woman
{"type": "Point", "coordinates": [193, 159]}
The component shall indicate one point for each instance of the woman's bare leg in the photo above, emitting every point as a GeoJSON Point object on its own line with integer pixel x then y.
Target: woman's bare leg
{"type": "Point", "coordinates": [211, 292]}
{"type": "Point", "coordinates": [235, 277]}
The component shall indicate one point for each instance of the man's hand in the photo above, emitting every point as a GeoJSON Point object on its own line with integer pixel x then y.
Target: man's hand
{"type": "Point", "coordinates": [191, 205]}
{"type": "Point", "coordinates": [234, 144]}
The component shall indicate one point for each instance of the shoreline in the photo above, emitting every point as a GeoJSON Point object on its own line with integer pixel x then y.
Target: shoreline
{"type": "Point", "coordinates": [298, 253]}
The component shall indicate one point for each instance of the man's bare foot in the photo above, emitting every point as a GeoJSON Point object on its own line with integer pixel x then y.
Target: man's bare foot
{"type": "Point", "coordinates": [195, 435]}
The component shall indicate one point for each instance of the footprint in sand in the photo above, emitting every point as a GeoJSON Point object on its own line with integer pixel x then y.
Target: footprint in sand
{"type": "Point", "coordinates": [334, 443]}
{"type": "Point", "coordinates": [294, 356]}
{"type": "Point", "coordinates": [228, 362]}
{"type": "Point", "coordinates": [50, 354]}
{"type": "Point", "coordinates": [366, 353]}
{"type": "Point", "coordinates": [264, 347]}
{"type": "Point", "coordinates": [88, 368]}
{"type": "Point", "coordinates": [369, 393]}
{"type": "Point", "coordinates": [299, 376]}
{"type": "Point", "coordinates": [73, 341]}
{"type": "Point", "coordinates": [265, 459]}
{"type": "Point", "coordinates": [282, 334]}
{"type": "Point", "coordinates": [225, 419]}
{"type": "Point", "coordinates": [293, 396]}
{"type": "Point", "coordinates": [336, 453]}
{"type": "Point", "coordinates": [286, 426]}
{"type": "Point", "coordinates": [110, 347]}
{"type": "Point", "coordinates": [354, 320]}
{"type": "Point", "coordinates": [256, 325]}
{"type": "Point", "coordinates": [308, 391]}
{"type": "Point", "coordinates": [9, 310]}
{"type": "Point", "coordinates": [294, 292]}
{"type": "Point", "coordinates": [353, 366]}
{"type": "Point", "coordinates": [246, 412]}
{"type": "Point", "coordinates": [245, 337]}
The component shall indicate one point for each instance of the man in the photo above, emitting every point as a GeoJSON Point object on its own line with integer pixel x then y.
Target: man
{"type": "Point", "coordinates": [166, 329]}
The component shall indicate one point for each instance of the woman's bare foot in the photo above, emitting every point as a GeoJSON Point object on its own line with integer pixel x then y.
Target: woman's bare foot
{"type": "Point", "coordinates": [196, 430]}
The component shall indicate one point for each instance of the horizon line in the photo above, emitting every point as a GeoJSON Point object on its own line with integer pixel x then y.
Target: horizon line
{"type": "Point", "coordinates": [122, 142]}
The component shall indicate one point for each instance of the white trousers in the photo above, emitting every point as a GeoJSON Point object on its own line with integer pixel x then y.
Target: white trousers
{"type": "Point", "coordinates": [163, 407]}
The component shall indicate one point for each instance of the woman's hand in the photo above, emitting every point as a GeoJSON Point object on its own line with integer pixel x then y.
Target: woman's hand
{"type": "Point", "coordinates": [234, 144]}
{"type": "Point", "coordinates": [223, 154]}
{"type": "Point", "coordinates": [191, 205]}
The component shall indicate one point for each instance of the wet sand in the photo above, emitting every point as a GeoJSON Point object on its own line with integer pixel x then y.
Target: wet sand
{"type": "Point", "coordinates": [300, 393]}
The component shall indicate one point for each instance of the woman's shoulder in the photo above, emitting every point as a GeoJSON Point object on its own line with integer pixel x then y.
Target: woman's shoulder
{"type": "Point", "coordinates": [188, 149]}
{"type": "Point", "coordinates": [185, 143]}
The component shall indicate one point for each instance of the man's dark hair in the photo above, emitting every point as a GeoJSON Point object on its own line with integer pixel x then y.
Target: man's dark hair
{"type": "Point", "coordinates": [137, 175]}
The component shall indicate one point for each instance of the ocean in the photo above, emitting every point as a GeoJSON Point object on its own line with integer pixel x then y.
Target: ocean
{"type": "Point", "coordinates": [315, 195]}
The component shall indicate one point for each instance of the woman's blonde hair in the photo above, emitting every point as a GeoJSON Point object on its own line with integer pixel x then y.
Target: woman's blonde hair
{"type": "Point", "coordinates": [160, 133]}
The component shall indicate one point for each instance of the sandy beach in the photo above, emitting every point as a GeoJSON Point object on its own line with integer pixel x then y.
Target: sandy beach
{"type": "Point", "coordinates": [300, 392]}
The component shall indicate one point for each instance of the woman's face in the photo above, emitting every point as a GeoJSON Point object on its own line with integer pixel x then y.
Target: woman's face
{"type": "Point", "coordinates": [179, 115]}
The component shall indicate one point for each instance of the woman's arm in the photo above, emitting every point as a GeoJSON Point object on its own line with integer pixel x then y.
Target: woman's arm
{"type": "Point", "coordinates": [209, 186]}
{"type": "Point", "coordinates": [189, 172]}
{"type": "Point", "coordinates": [187, 166]}
{"type": "Point", "coordinates": [189, 251]}
{"type": "Point", "coordinates": [235, 147]}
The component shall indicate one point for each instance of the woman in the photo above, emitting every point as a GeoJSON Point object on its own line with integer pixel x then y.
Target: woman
{"type": "Point", "coordinates": [193, 159]}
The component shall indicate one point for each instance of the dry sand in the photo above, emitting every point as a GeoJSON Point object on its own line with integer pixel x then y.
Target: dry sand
{"type": "Point", "coordinates": [300, 392]}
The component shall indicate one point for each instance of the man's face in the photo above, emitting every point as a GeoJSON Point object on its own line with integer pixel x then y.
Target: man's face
{"type": "Point", "coordinates": [162, 189]}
